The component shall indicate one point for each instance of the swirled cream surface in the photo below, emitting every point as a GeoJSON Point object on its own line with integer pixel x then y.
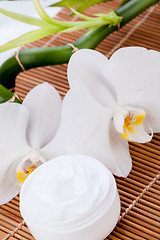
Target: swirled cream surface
{"type": "Point", "coordinates": [67, 191]}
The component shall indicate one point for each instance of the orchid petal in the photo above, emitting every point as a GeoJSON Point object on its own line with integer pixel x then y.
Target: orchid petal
{"type": "Point", "coordinates": [8, 181]}
{"type": "Point", "coordinates": [86, 66]}
{"type": "Point", "coordinates": [81, 116]}
{"type": "Point", "coordinates": [84, 130]}
{"type": "Point", "coordinates": [44, 104]}
{"type": "Point", "coordinates": [130, 70]}
{"type": "Point", "coordinates": [135, 75]}
{"type": "Point", "coordinates": [13, 147]}
{"type": "Point", "coordinates": [119, 153]}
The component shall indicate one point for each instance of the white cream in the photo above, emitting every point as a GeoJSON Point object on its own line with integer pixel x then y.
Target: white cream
{"type": "Point", "coordinates": [67, 194]}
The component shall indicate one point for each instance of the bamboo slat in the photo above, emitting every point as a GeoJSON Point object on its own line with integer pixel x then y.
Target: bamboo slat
{"type": "Point", "coordinates": [140, 204]}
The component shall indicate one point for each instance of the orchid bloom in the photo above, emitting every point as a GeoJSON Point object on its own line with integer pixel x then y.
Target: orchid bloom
{"type": "Point", "coordinates": [25, 129]}
{"type": "Point", "coordinates": [110, 103]}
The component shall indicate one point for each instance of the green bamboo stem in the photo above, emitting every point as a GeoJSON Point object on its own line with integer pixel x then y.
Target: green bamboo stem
{"type": "Point", "coordinates": [44, 56]}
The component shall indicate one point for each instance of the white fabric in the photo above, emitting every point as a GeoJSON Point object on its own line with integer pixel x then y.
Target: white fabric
{"type": "Point", "coordinates": [11, 28]}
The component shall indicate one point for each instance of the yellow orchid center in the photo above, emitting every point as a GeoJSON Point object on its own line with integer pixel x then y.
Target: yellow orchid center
{"type": "Point", "coordinates": [130, 122]}
{"type": "Point", "coordinates": [21, 176]}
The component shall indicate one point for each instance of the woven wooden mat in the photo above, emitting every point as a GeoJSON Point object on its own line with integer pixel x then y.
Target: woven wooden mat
{"type": "Point", "coordinates": [140, 192]}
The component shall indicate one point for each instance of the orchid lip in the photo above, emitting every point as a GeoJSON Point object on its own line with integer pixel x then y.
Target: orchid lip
{"type": "Point", "coordinates": [130, 124]}
{"type": "Point", "coordinates": [28, 164]}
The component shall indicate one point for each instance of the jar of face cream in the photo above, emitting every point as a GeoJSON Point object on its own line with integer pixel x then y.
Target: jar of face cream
{"type": "Point", "coordinates": [70, 197]}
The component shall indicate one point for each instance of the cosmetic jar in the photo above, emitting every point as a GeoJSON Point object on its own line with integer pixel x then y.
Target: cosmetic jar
{"type": "Point", "coordinates": [70, 197]}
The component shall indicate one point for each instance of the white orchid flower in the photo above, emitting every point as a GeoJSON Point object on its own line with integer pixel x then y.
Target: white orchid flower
{"type": "Point", "coordinates": [25, 129]}
{"type": "Point", "coordinates": [110, 102]}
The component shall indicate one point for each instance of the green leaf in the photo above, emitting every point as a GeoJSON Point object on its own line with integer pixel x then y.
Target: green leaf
{"type": "Point", "coordinates": [5, 95]}
{"type": "Point", "coordinates": [54, 26]}
{"type": "Point", "coordinates": [25, 18]}
{"type": "Point", "coordinates": [47, 18]}
{"type": "Point", "coordinates": [80, 5]}
{"type": "Point", "coordinates": [80, 15]}
{"type": "Point", "coordinates": [30, 37]}
{"type": "Point", "coordinates": [42, 13]}
{"type": "Point", "coordinates": [111, 19]}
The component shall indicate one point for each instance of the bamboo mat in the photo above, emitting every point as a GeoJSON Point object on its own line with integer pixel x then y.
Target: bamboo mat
{"type": "Point", "coordinates": [140, 192]}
